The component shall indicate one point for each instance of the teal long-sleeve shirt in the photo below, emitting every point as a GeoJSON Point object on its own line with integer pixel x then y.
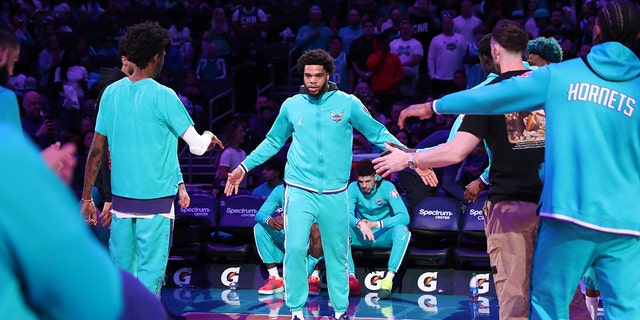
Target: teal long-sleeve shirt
{"type": "Point", "coordinates": [592, 141]}
{"type": "Point", "coordinates": [319, 158]}
{"type": "Point", "coordinates": [273, 204]}
{"type": "Point", "coordinates": [383, 204]}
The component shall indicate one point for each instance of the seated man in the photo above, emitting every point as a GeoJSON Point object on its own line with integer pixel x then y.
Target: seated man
{"type": "Point", "coordinates": [269, 235]}
{"type": "Point", "coordinates": [379, 219]}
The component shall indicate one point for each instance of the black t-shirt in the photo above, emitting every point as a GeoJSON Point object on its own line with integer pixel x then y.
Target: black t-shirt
{"type": "Point", "coordinates": [516, 141]}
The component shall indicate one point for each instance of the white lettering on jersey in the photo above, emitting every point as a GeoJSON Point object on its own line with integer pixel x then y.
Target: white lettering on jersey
{"type": "Point", "coordinates": [603, 96]}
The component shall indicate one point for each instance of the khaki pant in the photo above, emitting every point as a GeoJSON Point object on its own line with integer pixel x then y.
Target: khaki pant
{"type": "Point", "coordinates": [511, 228]}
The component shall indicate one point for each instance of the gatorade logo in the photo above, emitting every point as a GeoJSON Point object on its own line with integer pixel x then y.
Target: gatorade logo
{"type": "Point", "coordinates": [371, 300]}
{"type": "Point", "coordinates": [483, 283]}
{"type": "Point", "coordinates": [182, 276]}
{"type": "Point", "coordinates": [373, 280]}
{"type": "Point", "coordinates": [483, 306]}
{"type": "Point", "coordinates": [230, 275]}
{"type": "Point", "coordinates": [230, 297]}
{"type": "Point", "coordinates": [428, 281]}
{"type": "Point", "coordinates": [428, 303]}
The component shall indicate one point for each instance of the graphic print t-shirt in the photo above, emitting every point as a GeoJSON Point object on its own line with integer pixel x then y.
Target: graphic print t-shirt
{"type": "Point", "coordinates": [517, 142]}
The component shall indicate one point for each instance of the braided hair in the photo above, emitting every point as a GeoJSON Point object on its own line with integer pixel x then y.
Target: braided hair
{"type": "Point", "coordinates": [618, 21]}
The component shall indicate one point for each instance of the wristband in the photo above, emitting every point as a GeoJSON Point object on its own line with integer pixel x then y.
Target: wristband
{"type": "Point", "coordinates": [87, 200]}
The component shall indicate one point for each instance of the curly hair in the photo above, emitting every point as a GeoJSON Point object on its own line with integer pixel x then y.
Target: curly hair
{"type": "Point", "coordinates": [143, 41]}
{"type": "Point", "coordinates": [548, 48]}
{"type": "Point", "coordinates": [510, 35]}
{"type": "Point", "coordinates": [316, 57]}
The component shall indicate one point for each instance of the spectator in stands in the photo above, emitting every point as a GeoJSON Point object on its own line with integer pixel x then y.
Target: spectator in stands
{"type": "Point", "coordinates": [378, 220]}
{"type": "Point", "coordinates": [391, 27]}
{"type": "Point", "coordinates": [9, 53]}
{"type": "Point", "coordinates": [358, 54]}
{"type": "Point", "coordinates": [143, 145]}
{"type": "Point", "coordinates": [261, 121]}
{"type": "Point", "coordinates": [566, 37]}
{"type": "Point", "coordinates": [466, 21]}
{"type": "Point", "coordinates": [71, 79]}
{"type": "Point", "coordinates": [211, 66]}
{"type": "Point", "coordinates": [341, 76]}
{"type": "Point", "coordinates": [446, 55]}
{"type": "Point", "coordinates": [219, 33]}
{"type": "Point", "coordinates": [37, 258]}
{"type": "Point", "coordinates": [530, 20]}
{"type": "Point", "coordinates": [250, 18]}
{"type": "Point", "coordinates": [352, 31]}
{"type": "Point", "coordinates": [386, 74]}
{"type": "Point", "coordinates": [233, 154]}
{"type": "Point", "coordinates": [181, 41]}
{"type": "Point", "coordinates": [410, 52]}
{"type": "Point", "coordinates": [42, 130]}
{"type": "Point", "coordinates": [49, 58]}
{"type": "Point", "coordinates": [511, 216]}
{"type": "Point", "coordinates": [475, 71]}
{"type": "Point", "coordinates": [315, 34]}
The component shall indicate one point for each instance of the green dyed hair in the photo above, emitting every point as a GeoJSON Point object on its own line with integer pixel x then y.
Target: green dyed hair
{"type": "Point", "coordinates": [547, 48]}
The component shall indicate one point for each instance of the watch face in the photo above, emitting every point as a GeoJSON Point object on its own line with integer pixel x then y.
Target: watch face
{"type": "Point", "coordinates": [412, 165]}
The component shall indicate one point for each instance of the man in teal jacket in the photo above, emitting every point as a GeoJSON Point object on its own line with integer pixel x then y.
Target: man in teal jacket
{"type": "Point", "coordinates": [378, 219]}
{"type": "Point", "coordinates": [320, 119]}
{"type": "Point", "coordinates": [589, 208]}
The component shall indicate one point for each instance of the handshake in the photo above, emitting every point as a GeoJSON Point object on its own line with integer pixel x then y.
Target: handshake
{"type": "Point", "coordinates": [396, 158]}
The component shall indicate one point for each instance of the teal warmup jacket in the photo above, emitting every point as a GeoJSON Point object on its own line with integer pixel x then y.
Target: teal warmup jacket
{"type": "Point", "coordinates": [592, 156]}
{"type": "Point", "coordinates": [382, 204]}
{"type": "Point", "coordinates": [319, 158]}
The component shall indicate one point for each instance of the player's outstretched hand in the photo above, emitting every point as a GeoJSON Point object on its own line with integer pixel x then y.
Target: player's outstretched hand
{"type": "Point", "coordinates": [421, 110]}
{"type": "Point", "coordinates": [392, 160]}
{"type": "Point", "coordinates": [214, 141]}
{"type": "Point", "coordinates": [233, 181]}
{"type": "Point", "coordinates": [428, 177]}
{"type": "Point", "coordinates": [367, 234]}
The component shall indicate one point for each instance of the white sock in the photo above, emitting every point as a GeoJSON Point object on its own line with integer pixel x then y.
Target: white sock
{"type": "Point", "coordinates": [592, 306]}
{"type": "Point", "coordinates": [390, 275]}
{"type": "Point", "coordinates": [338, 315]}
{"type": "Point", "coordinates": [352, 275]}
{"type": "Point", "coordinates": [273, 272]}
{"type": "Point", "coordinates": [297, 314]}
{"type": "Point", "coordinates": [315, 273]}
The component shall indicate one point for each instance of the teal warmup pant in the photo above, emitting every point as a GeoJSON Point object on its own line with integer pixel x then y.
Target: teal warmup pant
{"type": "Point", "coordinates": [589, 279]}
{"type": "Point", "coordinates": [397, 238]}
{"type": "Point", "coordinates": [141, 247]}
{"type": "Point", "coordinates": [270, 245]}
{"type": "Point", "coordinates": [564, 251]}
{"type": "Point", "coordinates": [331, 211]}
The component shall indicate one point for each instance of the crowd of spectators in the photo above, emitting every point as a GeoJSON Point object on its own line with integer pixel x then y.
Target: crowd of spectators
{"type": "Point", "coordinates": [388, 53]}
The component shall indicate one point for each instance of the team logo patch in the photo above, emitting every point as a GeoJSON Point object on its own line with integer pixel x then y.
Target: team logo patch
{"type": "Point", "coordinates": [394, 193]}
{"type": "Point", "coordinates": [337, 117]}
{"type": "Point", "coordinates": [379, 202]}
{"type": "Point", "coordinates": [526, 74]}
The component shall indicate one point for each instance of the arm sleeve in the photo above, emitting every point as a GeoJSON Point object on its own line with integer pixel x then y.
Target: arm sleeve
{"type": "Point", "coordinates": [198, 144]}
{"type": "Point", "coordinates": [274, 200]}
{"type": "Point", "coordinates": [275, 139]}
{"type": "Point", "coordinates": [399, 214]}
{"type": "Point", "coordinates": [525, 92]}
{"type": "Point", "coordinates": [371, 129]}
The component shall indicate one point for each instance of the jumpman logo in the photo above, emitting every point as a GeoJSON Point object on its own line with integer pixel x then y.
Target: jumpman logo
{"type": "Point", "coordinates": [300, 124]}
